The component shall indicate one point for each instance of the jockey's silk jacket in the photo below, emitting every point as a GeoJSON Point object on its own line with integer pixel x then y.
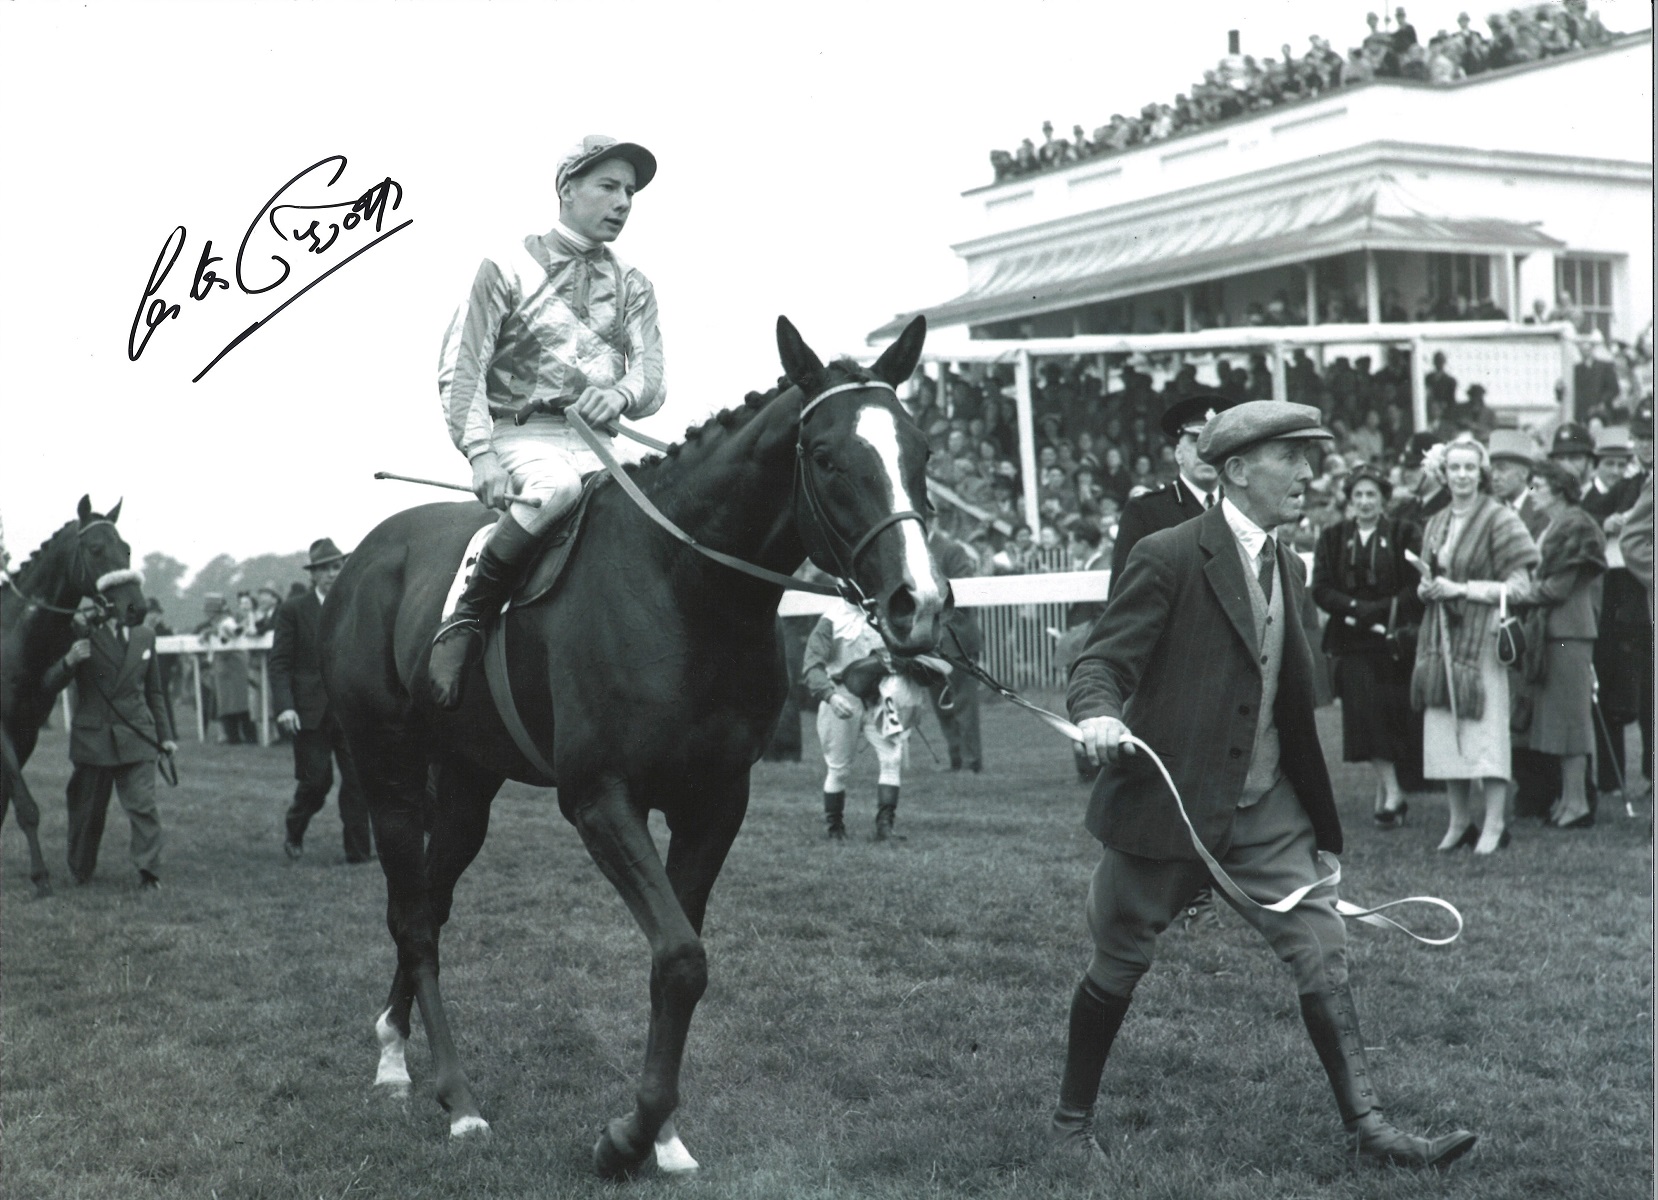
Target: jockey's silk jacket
{"type": "Point", "coordinates": [542, 322]}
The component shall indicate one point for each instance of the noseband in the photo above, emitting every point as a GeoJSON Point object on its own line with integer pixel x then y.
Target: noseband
{"type": "Point", "coordinates": [806, 490]}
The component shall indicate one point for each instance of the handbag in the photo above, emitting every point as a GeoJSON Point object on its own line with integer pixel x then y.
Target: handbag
{"type": "Point", "coordinates": [1511, 633]}
{"type": "Point", "coordinates": [1401, 639]}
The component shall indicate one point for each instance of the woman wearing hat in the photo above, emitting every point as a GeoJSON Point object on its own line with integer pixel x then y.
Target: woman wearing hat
{"type": "Point", "coordinates": [1363, 580]}
{"type": "Point", "coordinates": [1475, 548]}
{"type": "Point", "coordinates": [1567, 586]}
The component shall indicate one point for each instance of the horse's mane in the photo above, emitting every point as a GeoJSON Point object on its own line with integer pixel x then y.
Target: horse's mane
{"type": "Point", "coordinates": [68, 527]}
{"type": "Point", "coordinates": [702, 439]}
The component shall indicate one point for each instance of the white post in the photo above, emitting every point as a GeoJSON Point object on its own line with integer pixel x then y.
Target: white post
{"type": "Point", "coordinates": [1280, 381]}
{"type": "Point", "coordinates": [1568, 373]}
{"type": "Point", "coordinates": [1027, 438]}
{"type": "Point", "coordinates": [201, 724]}
{"type": "Point", "coordinates": [1372, 288]}
{"type": "Point", "coordinates": [1312, 292]}
{"type": "Point", "coordinates": [1511, 287]}
{"type": "Point", "coordinates": [1418, 387]}
{"type": "Point", "coordinates": [1185, 310]}
{"type": "Point", "coordinates": [265, 699]}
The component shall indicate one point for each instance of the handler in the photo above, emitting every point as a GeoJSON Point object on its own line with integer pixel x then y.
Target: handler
{"type": "Point", "coordinates": [1244, 752]}
{"type": "Point", "coordinates": [557, 320]}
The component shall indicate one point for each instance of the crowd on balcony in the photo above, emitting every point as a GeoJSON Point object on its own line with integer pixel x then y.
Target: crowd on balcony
{"type": "Point", "coordinates": [1098, 442]}
{"type": "Point", "coordinates": [1240, 84]}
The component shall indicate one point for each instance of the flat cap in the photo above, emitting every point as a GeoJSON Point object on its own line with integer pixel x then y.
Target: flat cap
{"type": "Point", "coordinates": [1253, 422]}
{"type": "Point", "coordinates": [1193, 410]}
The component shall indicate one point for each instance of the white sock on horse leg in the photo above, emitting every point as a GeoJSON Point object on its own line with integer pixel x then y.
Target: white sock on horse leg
{"type": "Point", "coordinates": [393, 1073]}
{"type": "Point", "coordinates": [672, 1158]}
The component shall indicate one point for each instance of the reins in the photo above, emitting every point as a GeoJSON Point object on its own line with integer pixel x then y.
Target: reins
{"type": "Point", "coordinates": [1332, 865]}
{"type": "Point", "coordinates": [804, 489]}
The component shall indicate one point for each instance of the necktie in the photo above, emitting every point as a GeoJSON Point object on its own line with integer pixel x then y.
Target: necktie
{"type": "Point", "coordinates": [1208, 500]}
{"type": "Point", "coordinates": [1263, 570]}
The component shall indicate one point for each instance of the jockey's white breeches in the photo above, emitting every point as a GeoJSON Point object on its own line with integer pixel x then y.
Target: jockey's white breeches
{"type": "Point", "coordinates": [885, 726]}
{"type": "Point", "coordinates": [546, 459]}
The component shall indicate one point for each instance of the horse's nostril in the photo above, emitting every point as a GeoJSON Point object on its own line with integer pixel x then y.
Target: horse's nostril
{"type": "Point", "coordinates": [901, 606]}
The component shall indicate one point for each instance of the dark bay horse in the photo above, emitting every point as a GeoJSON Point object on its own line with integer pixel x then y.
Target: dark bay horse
{"type": "Point", "coordinates": [650, 678]}
{"type": "Point", "coordinates": [86, 558]}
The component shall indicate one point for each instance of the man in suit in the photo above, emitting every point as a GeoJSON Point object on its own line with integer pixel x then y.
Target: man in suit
{"type": "Point", "coordinates": [121, 723]}
{"type": "Point", "coordinates": [1512, 453]}
{"type": "Point", "coordinates": [1419, 495]}
{"type": "Point", "coordinates": [1243, 751]}
{"type": "Point", "coordinates": [302, 711]}
{"type": "Point", "coordinates": [1196, 490]}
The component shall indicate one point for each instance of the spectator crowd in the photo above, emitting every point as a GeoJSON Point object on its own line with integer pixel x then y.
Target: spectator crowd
{"type": "Point", "coordinates": [1098, 441]}
{"type": "Point", "coordinates": [1239, 84]}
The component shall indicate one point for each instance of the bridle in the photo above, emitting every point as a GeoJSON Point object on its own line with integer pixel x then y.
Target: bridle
{"type": "Point", "coordinates": [102, 611]}
{"type": "Point", "coordinates": [806, 490]}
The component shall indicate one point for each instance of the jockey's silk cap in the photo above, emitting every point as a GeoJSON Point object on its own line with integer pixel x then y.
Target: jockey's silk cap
{"type": "Point", "coordinates": [596, 148]}
{"type": "Point", "coordinates": [324, 553]}
{"type": "Point", "coordinates": [1512, 445]}
{"type": "Point", "coordinates": [1192, 413]}
{"type": "Point", "coordinates": [1255, 421]}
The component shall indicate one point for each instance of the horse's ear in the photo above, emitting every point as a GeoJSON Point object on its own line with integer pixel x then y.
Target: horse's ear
{"type": "Point", "coordinates": [800, 364]}
{"type": "Point", "coordinates": [114, 514]}
{"type": "Point", "coordinates": [84, 509]}
{"type": "Point", "coordinates": [897, 361]}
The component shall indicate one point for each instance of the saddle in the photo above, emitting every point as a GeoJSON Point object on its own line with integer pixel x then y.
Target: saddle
{"type": "Point", "coordinates": [543, 572]}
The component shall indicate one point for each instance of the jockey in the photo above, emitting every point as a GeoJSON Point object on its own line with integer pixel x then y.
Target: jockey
{"type": "Point", "coordinates": [558, 320]}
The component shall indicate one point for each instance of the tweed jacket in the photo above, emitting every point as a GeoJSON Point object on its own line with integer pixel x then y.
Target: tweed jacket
{"type": "Point", "coordinates": [296, 661]}
{"type": "Point", "coordinates": [1174, 657]}
{"type": "Point", "coordinates": [116, 682]}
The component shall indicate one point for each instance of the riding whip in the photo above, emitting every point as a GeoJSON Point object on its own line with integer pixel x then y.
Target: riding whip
{"type": "Point", "coordinates": [532, 501]}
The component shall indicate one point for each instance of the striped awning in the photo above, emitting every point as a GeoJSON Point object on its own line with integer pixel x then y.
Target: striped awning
{"type": "Point", "coordinates": [1133, 258]}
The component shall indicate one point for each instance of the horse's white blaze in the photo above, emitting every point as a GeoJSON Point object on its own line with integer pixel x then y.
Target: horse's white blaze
{"type": "Point", "coordinates": [875, 425]}
{"type": "Point", "coordinates": [394, 1063]}
{"type": "Point", "coordinates": [462, 1127]}
{"type": "Point", "coordinates": [672, 1158]}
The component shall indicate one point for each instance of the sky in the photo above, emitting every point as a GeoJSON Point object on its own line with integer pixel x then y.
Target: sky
{"type": "Point", "coordinates": [812, 159]}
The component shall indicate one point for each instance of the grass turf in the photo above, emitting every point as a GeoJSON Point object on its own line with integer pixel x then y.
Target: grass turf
{"type": "Point", "coordinates": [881, 1020]}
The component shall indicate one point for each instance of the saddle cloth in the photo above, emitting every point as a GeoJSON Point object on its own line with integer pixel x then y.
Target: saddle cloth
{"type": "Point", "coordinates": [545, 570]}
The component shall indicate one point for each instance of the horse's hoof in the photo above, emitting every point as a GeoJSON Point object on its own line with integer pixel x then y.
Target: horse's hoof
{"type": "Point", "coordinates": [613, 1158]}
{"type": "Point", "coordinates": [468, 1127]}
{"type": "Point", "coordinates": [672, 1158]}
{"type": "Point", "coordinates": [43, 889]}
{"type": "Point", "coordinates": [392, 1089]}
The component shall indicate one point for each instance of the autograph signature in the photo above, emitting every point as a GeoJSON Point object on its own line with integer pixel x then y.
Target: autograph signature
{"type": "Point", "coordinates": [313, 228]}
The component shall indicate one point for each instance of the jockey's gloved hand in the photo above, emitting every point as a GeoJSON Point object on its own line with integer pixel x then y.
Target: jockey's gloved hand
{"type": "Point", "coordinates": [600, 406]}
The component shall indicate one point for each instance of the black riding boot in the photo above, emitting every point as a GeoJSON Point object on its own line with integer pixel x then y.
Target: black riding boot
{"type": "Point", "coordinates": [886, 810]}
{"type": "Point", "coordinates": [492, 581]}
{"type": "Point", "coordinates": [834, 815]}
{"type": "Point", "coordinates": [1333, 1024]}
{"type": "Point", "coordinates": [1096, 1015]}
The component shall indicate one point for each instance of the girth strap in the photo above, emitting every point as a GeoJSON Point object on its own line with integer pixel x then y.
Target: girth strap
{"type": "Point", "coordinates": [500, 690]}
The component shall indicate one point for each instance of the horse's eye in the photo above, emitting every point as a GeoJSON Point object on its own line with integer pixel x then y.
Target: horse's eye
{"type": "Point", "coordinates": [823, 461]}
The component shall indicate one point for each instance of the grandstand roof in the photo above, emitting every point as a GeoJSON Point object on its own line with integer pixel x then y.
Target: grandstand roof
{"type": "Point", "coordinates": [1372, 213]}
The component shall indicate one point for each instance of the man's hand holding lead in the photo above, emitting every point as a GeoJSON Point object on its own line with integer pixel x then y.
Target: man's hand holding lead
{"type": "Point", "coordinates": [1102, 738]}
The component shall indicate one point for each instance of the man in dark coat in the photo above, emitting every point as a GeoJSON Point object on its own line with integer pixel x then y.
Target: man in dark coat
{"type": "Point", "coordinates": [1243, 751]}
{"type": "Point", "coordinates": [956, 700]}
{"type": "Point", "coordinates": [302, 710]}
{"type": "Point", "coordinates": [121, 723]}
{"type": "Point", "coordinates": [1197, 488]}
{"type": "Point", "coordinates": [1195, 491]}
